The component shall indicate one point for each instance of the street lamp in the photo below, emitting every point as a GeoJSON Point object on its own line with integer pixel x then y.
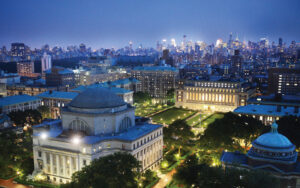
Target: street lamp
{"type": "Point", "coordinates": [76, 140]}
{"type": "Point", "coordinates": [44, 136]}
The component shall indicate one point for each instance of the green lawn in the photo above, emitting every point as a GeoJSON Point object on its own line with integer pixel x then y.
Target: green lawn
{"type": "Point", "coordinates": [143, 111]}
{"type": "Point", "coordinates": [196, 119]}
{"type": "Point", "coordinates": [211, 119]}
{"type": "Point", "coordinates": [171, 115]}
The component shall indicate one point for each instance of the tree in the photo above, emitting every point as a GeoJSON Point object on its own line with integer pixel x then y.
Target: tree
{"type": "Point", "coordinates": [113, 171]}
{"type": "Point", "coordinates": [21, 118]}
{"type": "Point", "coordinates": [171, 95]}
{"type": "Point", "coordinates": [289, 126]}
{"type": "Point", "coordinates": [44, 111]}
{"type": "Point", "coordinates": [18, 153]}
{"type": "Point", "coordinates": [148, 177]}
{"type": "Point", "coordinates": [192, 173]}
{"type": "Point", "coordinates": [232, 132]}
{"type": "Point", "coordinates": [141, 97]}
{"type": "Point", "coordinates": [179, 133]}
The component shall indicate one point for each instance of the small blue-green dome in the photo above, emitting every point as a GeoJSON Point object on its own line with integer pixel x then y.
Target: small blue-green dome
{"type": "Point", "coordinates": [273, 140]}
{"type": "Point", "coordinates": [273, 146]}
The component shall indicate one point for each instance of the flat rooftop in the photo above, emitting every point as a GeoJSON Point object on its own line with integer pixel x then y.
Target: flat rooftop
{"type": "Point", "coordinates": [54, 130]}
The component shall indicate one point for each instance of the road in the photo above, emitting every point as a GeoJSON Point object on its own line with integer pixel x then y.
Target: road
{"type": "Point", "coordinates": [9, 184]}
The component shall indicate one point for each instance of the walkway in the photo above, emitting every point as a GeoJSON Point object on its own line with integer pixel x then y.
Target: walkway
{"type": "Point", "coordinates": [9, 184]}
{"type": "Point", "coordinates": [198, 113]}
{"type": "Point", "coordinates": [164, 179]}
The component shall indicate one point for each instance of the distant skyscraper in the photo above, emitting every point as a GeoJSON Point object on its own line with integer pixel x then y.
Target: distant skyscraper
{"type": "Point", "coordinates": [158, 46]}
{"type": "Point", "coordinates": [130, 45]}
{"type": "Point", "coordinates": [82, 47]}
{"type": "Point", "coordinates": [173, 42]}
{"type": "Point", "coordinates": [237, 61]}
{"type": "Point", "coordinates": [164, 44]}
{"type": "Point", "coordinates": [184, 43]}
{"type": "Point", "coordinates": [18, 49]}
{"type": "Point", "coordinates": [46, 62]}
{"type": "Point", "coordinates": [280, 42]}
{"type": "Point", "coordinates": [230, 40]}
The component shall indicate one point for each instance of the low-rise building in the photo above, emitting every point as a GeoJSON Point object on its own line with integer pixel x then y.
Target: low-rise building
{"type": "Point", "coordinates": [60, 77]}
{"type": "Point", "coordinates": [19, 102]}
{"type": "Point", "coordinates": [55, 100]}
{"type": "Point", "coordinates": [267, 113]}
{"type": "Point", "coordinates": [218, 95]}
{"type": "Point", "coordinates": [21, 89]}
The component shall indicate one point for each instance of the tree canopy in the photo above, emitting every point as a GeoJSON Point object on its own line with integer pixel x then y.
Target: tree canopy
{"type": "Point", "coordinates": [178, 133]}
{"type": "Point", "coordinates": [44, 111]}
{"type": "Point", "coordinates": [231, 132]}
{"type": "Point", "coordinates": [113, 171]}
{"type": "Point", "coordinates": [192, 173]}
{"type": "Point", "coordinates": [21, 118]}
{"type": "Point", "coordinates": [141, 97]}
{"type": "Point", "coordinates": [17, 153]}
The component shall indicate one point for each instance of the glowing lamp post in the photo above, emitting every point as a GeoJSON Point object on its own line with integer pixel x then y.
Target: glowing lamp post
{"type": "Point", "coordinates": [44, 136]}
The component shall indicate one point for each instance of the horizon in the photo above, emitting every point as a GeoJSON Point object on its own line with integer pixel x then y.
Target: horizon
{"type": "Point", "coordinates": [102, 24]}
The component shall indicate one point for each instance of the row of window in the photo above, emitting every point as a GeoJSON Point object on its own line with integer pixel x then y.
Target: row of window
{"type": "Point", "coordinates": [214, 84]}
{"type": "Point", "coordinates": [211, 90]}
{"type": "Point", "coordinates": [146, 140]}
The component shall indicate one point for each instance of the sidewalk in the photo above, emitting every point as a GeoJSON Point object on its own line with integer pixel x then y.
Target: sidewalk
{"type": "Point", "coordinates": [9, 184]}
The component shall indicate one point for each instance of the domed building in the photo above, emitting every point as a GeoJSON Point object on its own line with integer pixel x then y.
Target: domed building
{"type": "Point", "coordinates": [272, 152]}
{"type": "Point", "coordinates": [95, 123]}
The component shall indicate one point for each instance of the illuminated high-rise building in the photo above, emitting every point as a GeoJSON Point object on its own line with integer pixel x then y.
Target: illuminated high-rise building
{"type": "Point", "coordinates": [173, 42]}
{"type": "Point", "coordinates": [130, 45]}
{"type": "Point", "coordinates": [46, 62]}
{"type": "Point", "coordinates": [164, 44]}
{"type": "Point", "coordinates": [18, 49]}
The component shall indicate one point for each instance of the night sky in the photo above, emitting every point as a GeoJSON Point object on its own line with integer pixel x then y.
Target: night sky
{"type": "Point", "coordinates": [113, 23]}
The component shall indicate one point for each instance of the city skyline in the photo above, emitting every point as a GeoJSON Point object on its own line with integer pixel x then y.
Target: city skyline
{"type": "Point", "coordinates": [113, 24]}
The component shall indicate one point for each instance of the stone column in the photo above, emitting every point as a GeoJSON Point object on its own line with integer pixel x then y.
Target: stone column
{"type": "Point", "coordinates": [64, 165]}
{"type": "Point", "coordinates": [44, 161]}
{"type": "Point", "coordinates": [57, 165]}
{"type": "Point", "coordinates": [51, 164]}
{"type": "Point", "coordinates": [71, 165]}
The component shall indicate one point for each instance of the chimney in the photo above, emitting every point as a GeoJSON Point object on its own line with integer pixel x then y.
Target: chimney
{"type": "Point", "coordinates": [278, 108]}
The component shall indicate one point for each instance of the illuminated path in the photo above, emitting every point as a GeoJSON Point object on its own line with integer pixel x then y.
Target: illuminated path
{"type": "Point", "coordinates": [9, 184]}
{"type": "Point", "coordinates": [164, 179]}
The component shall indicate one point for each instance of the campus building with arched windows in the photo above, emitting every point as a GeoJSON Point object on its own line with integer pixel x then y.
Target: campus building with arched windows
{"type": "Point", "coordinates": [95, 123]}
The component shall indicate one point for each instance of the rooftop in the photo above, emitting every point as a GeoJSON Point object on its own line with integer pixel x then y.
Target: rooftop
{"type": "Point", "coordinates": [17, 99]}
{"type": "Point", "coordinates": [54, 130]}
{"type": "Point", "coordinates": [270, 110]}
{"type": "Point", "coordinates": [156, 68]}
{"type": "Point", "coordinates": [58, 95]}
{"type": "Point", "coordinates": [102, 85]}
